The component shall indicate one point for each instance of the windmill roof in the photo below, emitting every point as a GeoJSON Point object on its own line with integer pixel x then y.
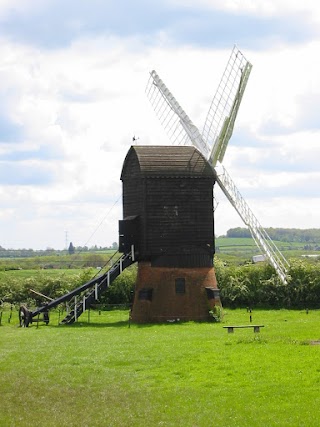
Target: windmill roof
{"type": "Point", "coordinates": [170, 160]}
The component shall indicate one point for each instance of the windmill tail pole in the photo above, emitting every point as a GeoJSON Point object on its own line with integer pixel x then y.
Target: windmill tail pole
{"type": "Point", "coordinates": [41, 295]}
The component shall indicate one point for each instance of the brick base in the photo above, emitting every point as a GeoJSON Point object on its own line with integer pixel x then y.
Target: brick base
{"type": "Point", "coordinates": [159, 297]}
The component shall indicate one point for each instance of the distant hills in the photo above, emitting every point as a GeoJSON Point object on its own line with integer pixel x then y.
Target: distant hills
{"type": "Point", "coordinates": [307, 236]}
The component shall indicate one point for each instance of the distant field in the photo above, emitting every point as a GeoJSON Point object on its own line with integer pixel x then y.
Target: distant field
{"type": "Point", "coordinates": [178, 375]}
{"type": "Point", "coordinates": [62, 262]}
{"type": "Point", "coordinates": [232, 250]}
{"type": "Point", "coordinates": [245, 242]}
{"type": "Point", "coordinates": [243, 249]}
{"type": "Point", "coordinates": [34, 273]}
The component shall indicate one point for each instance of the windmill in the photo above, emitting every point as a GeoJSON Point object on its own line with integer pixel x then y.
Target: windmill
{"type": "Point", "coordinates": [168, 219]}
{"type": "Point", "coordinates": [167, 229]}
{"type": "Point", "coordinates": [213, 140]}
{"type": "Point", "coordinates": [168, 223]}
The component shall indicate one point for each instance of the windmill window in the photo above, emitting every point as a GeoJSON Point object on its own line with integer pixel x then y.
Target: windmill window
{"type": "Point", "coordinates": [145, 294]}
{"type": "Point", "coordinates": [180, 284]}
{"type": "Point", "coordinates": [213, 293]}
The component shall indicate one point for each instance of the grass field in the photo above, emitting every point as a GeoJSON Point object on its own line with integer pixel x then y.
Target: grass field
{"type": "Point", "coordinates": [109, 374]}
{"type": "Point", "coordinates": [22, 274]}
{"type": "Point", "coordinates": [239, 250]}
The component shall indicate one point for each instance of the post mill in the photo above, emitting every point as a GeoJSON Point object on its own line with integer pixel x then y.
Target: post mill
{"type": "Point", "coordinates": [168, 223]}
{"type": "Point", "coordinates": [168, 219]}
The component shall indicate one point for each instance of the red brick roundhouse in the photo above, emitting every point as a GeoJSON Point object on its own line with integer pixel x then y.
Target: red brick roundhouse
{"type": "Point", "coordinates": [168, 220]}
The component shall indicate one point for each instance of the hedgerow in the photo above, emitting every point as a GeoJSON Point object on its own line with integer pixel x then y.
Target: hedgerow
{"type": "Point", "coordinates": [240, 286]}
{"type": "Point", "coordinates": [259, 286]}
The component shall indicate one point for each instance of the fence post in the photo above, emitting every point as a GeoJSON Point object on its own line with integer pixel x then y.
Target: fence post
{"type": "Point", "coordinates": [10, 315]}
{"type": "Point", "coordinates": [75, 308]}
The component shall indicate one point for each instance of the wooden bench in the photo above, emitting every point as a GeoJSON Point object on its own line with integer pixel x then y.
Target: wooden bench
{"type": "Point", "coordinates": [256, 328]}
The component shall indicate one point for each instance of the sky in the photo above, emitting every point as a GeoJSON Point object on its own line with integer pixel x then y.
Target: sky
{"type": "Point", "coordinates": [73, 75]}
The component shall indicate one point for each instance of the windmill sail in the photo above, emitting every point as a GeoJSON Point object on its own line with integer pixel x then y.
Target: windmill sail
{"type": "Point", "coordinates": [221, 143]}
{"type": "Point", "coordinates": [174, 119]}
{"type": "Point", "coordinates": [260, 236]}
{"type": "Point", "coordinates": [227, 99]}
{"type": "Point", "coordinates": [224, 107]}
{"type": "Point", "coordinates": [181, 130]}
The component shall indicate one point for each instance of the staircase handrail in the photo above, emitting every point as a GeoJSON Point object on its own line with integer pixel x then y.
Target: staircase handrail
{"type": "Point", "coordinates": [85, 286]}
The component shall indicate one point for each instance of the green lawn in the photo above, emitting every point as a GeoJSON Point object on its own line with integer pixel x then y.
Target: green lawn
{"type": "Point", "coordinates": [107, 374]}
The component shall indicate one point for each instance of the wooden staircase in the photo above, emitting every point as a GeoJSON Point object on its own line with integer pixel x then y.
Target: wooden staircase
{"type": "Point", "coordinates": [86, 294]}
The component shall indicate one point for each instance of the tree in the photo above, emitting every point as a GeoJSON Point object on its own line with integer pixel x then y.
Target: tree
{"type": "Point", "coordinates": [71, 249]}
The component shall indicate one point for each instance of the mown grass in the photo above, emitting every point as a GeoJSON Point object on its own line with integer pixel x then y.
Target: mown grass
{"type": "Point", "coordinates": [109, 374]}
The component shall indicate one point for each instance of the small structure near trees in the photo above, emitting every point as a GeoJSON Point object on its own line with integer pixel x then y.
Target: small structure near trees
{"type": "Point", "coordinates": [71, 249]}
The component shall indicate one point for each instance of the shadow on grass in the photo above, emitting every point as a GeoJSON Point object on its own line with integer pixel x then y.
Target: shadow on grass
{"type": "Point", "coordinates": [118, 324]}
{"type": "Point", "coordinates": [84, 324]}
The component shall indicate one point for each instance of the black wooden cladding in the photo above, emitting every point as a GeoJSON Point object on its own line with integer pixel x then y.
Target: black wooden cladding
{"type": "Point", "coordinates": [170, 190]}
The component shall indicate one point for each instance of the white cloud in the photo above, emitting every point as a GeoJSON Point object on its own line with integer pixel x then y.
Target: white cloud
{"type": "Point", "coordinates": [22, 6]}
{"type": "Point", "coordinates": [80, 105]}
{"type": "Point", "coordinates": [256, 7]}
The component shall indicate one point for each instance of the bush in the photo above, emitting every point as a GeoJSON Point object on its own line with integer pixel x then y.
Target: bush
{"type": "Point", "coordinates": [122, 289]}
{"type": "Point", "coordinates": [258, 285]}
{"type": "Point", "coordinates": [17, 290]}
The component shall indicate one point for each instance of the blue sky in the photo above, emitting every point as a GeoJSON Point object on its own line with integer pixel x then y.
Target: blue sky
{"type": "Point", "coordinates": [55, 24]}
{"type": "Point", "coordinates": [73, 76]}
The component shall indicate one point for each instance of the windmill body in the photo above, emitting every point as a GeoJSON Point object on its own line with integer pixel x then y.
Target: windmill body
{"type": "Point", "coordinates": [168, 219]}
